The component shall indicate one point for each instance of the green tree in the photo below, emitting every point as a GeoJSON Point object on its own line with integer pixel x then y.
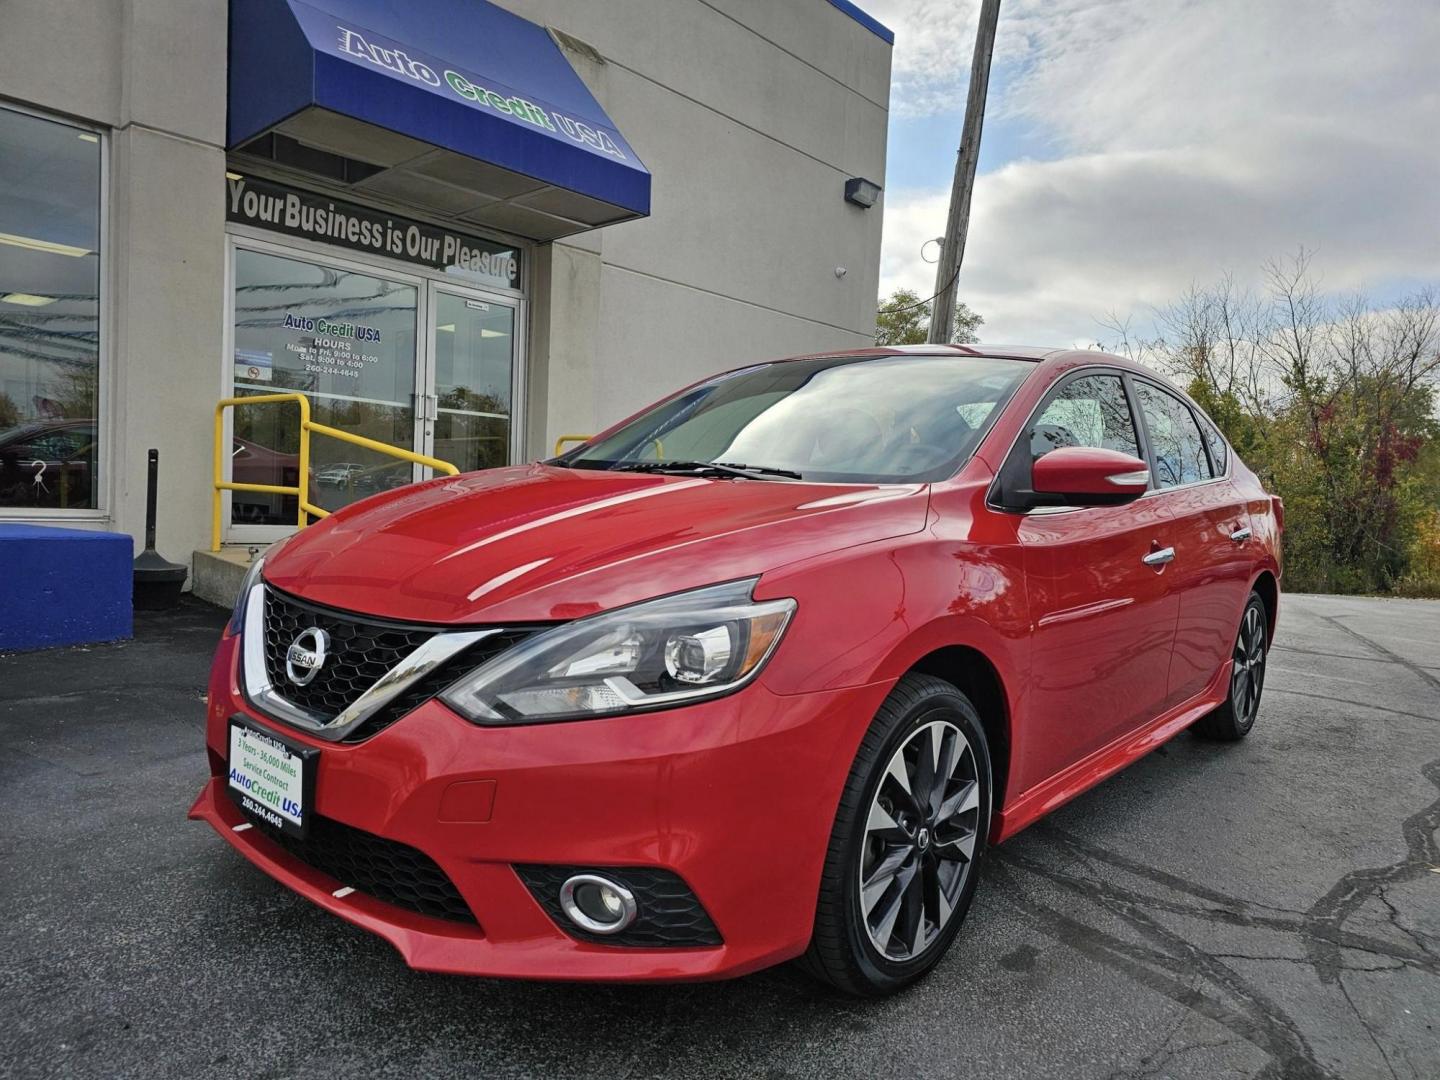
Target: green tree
{"type": "Point", "coordinates": [1332, 402]}
{"type": "Point", "coordinates": [904, 320]}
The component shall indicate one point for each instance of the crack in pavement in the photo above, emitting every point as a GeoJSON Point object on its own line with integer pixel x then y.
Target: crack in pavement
{"type": "Point", "coordinates": [1418, 831]}
{"type": "Point", "coordinates": [1326, 918]}
{"type": "Point", "coordinates": [1163, 973]}
{"type": "Point", "coordinates": [1233, 1002]}
{"type": "Point", "coordinates": [1350, 701]}
{"type": "Point", "coordinates": [1409, 665]}
{"type": "Point", "coordinates": [1261, 958]}
{"type": "Point", "coordinates": [1418, 937]}
{"type": "Point", "coordinates": [1345, 993]}
{"type": "Point", "coordinates": [1332, 655]}
{"type": "Point", "coordinates": [1226, 909]}
{"type": "Point", "coordinates": [1153, 1064]}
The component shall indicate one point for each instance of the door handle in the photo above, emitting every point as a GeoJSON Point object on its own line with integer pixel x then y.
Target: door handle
{"type": "Point", "coordinates": [1241, 535]}
{"type": "Point", "coordinates": [1158, 558]}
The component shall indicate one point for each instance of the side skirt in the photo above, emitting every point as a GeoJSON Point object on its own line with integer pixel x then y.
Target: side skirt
{"type": "Point", "coordinates": [1108, 760]}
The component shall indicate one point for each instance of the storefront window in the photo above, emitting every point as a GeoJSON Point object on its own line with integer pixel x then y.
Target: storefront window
{"type": "Point", "coordinates": [49, 314]}
{"type": "Point", "coordinates": [345, 339]}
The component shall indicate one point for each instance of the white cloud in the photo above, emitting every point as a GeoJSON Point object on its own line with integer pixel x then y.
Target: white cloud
{"type": "Point", "coordinates": [934, 40]}
{"type": "Point", "coordinates": [1196, 138]}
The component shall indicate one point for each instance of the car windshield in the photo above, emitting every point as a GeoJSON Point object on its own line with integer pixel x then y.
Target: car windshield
{"type": "Point", "coordinates": [886, 419]}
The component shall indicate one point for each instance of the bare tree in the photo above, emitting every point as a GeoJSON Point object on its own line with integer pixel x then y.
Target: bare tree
{"type": "Point", "coordinates": [1330, 398]}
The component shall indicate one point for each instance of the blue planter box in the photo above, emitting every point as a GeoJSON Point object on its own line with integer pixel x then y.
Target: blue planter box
{"type": "Point", "coordinates": [63, 586]}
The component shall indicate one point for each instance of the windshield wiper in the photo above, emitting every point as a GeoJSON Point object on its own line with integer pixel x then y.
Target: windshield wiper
{"type": "Point", "coordinates": [700, 468]}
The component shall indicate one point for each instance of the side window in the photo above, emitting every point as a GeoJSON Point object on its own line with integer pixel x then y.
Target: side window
{"type": "Point", "coordinates": [1174, 437]}
{"type": "Point", "coordinates": [1088, 411]}
{"type": "Point", "coordinates": [1219, 452]}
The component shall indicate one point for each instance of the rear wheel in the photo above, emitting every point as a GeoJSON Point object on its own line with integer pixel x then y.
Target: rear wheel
{"type": "Point", "coordinates": [905, 851]}
{"type": "Point", "coordinates": [1234, 719]}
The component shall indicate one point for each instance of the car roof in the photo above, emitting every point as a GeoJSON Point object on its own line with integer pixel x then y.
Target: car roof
{"type": "Point", "coordinates": [1051, 355]}
{"type": "Point", "coordinates": [1054, 360]}
{"type": "Point", "coordinates": [1008, 352]}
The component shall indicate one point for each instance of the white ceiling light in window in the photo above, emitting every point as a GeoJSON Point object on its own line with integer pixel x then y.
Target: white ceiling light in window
{"type": "Point", "coordinates": [43, 245]}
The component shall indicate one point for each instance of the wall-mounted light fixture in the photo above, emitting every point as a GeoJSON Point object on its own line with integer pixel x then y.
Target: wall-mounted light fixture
{"type": "Point", "coordinates": [861, 192]}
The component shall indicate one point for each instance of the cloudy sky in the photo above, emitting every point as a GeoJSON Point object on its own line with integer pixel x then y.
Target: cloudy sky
{"type": "Point", "coordinates": [1133, 147]}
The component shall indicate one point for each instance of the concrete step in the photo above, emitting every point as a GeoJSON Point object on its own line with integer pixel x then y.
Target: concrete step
{"type": "Point", "coordinates": [216, 575]}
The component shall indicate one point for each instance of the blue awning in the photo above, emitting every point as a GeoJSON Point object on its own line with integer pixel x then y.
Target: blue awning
{"type": "Point", "coordinates": [456, 106]}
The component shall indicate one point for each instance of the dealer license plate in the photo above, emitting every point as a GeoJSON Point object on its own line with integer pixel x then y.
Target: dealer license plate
{"type": "Point", "coordinates": [271, 779]}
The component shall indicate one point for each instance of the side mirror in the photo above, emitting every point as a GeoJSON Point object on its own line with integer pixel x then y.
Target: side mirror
{"type": "Point", "coordinates": [1088, 476]}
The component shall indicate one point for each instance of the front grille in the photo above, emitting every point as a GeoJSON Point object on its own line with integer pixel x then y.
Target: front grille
{"type": "Point", "coordinates": [668, 914]}
{"type": "Point", "coordinates": [360, 652]}
{"type": "Point", "coordinates": [385, 869]}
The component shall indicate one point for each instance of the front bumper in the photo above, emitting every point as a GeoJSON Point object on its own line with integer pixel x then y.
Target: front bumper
{"type": "Point", "coordinates": [737, 796]}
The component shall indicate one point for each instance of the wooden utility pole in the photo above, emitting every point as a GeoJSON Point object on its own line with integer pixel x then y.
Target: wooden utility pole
{"type": "Point", "coordinates": [952, 250]}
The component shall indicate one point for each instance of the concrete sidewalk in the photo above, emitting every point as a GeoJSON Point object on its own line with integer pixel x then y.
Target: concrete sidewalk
{"type": "Point", "coordinates": [1262, 909]}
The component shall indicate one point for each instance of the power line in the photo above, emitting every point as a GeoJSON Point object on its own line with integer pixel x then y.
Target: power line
{"type": "Point", "coordinates": [922, 303]}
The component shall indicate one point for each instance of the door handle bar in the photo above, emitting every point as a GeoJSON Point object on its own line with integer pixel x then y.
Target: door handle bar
{"type": "Point", "coordinates": [1158, 558]}
{"type": "Point", "coordinates": [1241, 535]}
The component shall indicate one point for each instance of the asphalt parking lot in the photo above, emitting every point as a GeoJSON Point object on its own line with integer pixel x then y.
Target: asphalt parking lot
{"type": "Point", "coordinates": [1268, 909]}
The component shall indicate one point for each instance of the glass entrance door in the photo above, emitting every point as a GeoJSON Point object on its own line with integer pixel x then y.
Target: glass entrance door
{"type": "Point", "coordinates": [473, 374]}
{"type": "Point", "coordinates": [346, 339]}
{"type": "Point", "coordinates": [418, 363]}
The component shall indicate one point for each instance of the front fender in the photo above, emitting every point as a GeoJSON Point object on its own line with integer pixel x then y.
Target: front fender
{"type": "Point", "coordinates": [869, 614]}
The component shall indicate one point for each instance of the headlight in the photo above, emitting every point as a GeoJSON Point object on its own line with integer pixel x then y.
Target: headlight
{"type": "Point", "coordinates": [237, 616]}
{"type": "Point", "coordinates": [665, 652]}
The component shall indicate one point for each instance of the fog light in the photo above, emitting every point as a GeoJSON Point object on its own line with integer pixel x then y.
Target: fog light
{"type": "Point", "coordinates": [597, 904]}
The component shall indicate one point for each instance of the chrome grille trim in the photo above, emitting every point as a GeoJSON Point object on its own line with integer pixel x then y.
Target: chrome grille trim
{"type": "Point", "coordinates": [269, 698]}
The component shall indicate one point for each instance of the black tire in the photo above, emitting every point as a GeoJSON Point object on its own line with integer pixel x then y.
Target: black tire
{"type": "Point", "coordinates": [920, 711]}
{"type": "Point", "coordinates": [1233, 720]}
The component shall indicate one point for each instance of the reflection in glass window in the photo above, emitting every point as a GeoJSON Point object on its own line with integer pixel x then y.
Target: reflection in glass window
{"type": "Point", "coordinates": [474, 342]}
{"type": "Point", "coordinates": [345, 339]}
{"type": "Point", "coordinates": [49, 313]}
{"type": "Point", "coordinates": [835, 419]}
{"type": "Point", "coordinates": [1174, 438]}
{"type": "Point", "coordinates": [1219, 452]}
{"type": "Point", "coordinates": [1089, 411]}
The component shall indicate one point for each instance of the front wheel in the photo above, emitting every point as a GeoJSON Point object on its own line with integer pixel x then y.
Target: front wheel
{"type": "Point", "coordinates": [905, 851]}
{"type": "Point", "coordinates": [1234, 719]}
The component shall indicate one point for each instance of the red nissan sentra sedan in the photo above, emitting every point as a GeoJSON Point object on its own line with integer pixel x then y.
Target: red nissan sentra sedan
{"type": "Point", "coordinates": [757, 674]}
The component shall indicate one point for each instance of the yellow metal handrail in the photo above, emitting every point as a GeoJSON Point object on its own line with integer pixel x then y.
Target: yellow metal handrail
{"type": "Point", "coordinates": [563, 439]}
{"type": "Point", "coordinates": [301, 488]}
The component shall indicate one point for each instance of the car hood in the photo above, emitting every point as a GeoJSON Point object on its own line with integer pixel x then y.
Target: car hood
{"type": "Point", "coordinates": [539, 543]}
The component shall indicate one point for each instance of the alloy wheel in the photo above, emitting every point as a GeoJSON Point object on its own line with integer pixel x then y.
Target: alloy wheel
{"type": "Point", "coordinates": [919, 840]}
{"type": "Point", "coordinates": [1248, 676]}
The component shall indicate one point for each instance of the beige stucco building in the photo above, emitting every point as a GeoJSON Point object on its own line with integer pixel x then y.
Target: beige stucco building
{"type": "Point", "coordinates": [465, 231]}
